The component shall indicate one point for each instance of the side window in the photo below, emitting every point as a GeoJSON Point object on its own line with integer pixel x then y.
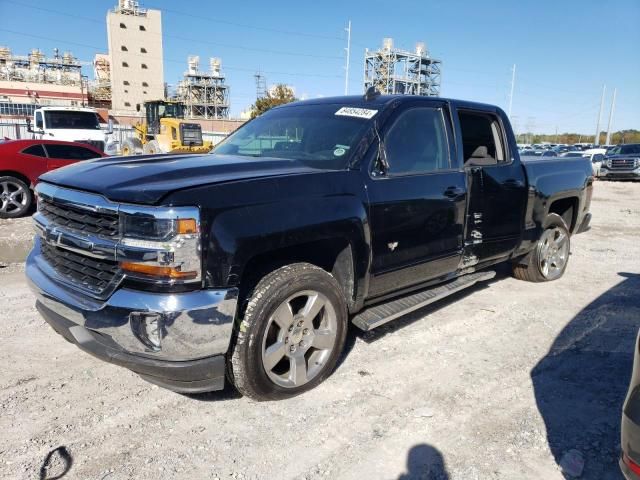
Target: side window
{"type": "Point", "coordinates": [39, 123]}
{"type": "Point", "coordinates": [482, 139]}
{"type": "Point", "coordinates": [417, 142]}
{"type": "Point", "coordinates": [35, 150]}
{"type": "Point", "coordinates": [71, 152]}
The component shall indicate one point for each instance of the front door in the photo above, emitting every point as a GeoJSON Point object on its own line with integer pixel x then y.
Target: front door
{"type": "Point", "coordinates": [417, 203]}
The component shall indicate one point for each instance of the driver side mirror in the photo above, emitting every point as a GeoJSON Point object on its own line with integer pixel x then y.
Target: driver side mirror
{"type": "Point", "coordinates": [29, 127]}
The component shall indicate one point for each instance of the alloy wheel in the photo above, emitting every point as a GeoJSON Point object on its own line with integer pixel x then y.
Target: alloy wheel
{"type": "Point", "coordinates": [553, 252]}
{"type": "Point", "coordinates": [299, 339]}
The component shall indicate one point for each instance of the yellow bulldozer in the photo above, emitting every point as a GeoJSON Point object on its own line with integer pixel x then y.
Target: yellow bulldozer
{"type": "Point", "coordinates": [164, 130]}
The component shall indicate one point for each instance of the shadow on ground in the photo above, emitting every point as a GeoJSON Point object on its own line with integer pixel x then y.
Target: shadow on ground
{"type": "Point", "coordinates": [425, 462]}
{"type": "Point", "coordinates": [581, 383]}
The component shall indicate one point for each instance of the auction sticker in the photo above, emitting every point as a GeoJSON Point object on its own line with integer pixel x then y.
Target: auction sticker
{"type": "Point", "coordinates": [356, 112]}
{"type": "Point", "coordinates": [338, 152]}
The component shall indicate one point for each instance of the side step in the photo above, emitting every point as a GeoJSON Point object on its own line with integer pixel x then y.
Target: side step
{"type": "Point", "coordinates": [385, 312]}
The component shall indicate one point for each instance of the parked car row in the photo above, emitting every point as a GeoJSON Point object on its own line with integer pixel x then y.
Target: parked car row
{"type": "Point", "coordinates": [23, 161]}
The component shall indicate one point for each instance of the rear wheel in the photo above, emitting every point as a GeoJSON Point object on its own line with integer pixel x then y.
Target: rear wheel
{"type": "Point", "coordinates": [548, 260]}
{"type": "Point", "coordinates": [15, 197]}
{"type": "Point", "coordinates": [291, 334]}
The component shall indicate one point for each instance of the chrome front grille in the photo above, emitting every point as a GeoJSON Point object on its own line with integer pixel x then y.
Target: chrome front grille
{"type": "Point", "coordinates": [624, 163]}
{"type": "Point", "coordinates": [80, 220]}
{"type": "Point", "coordinates": [90, 274]}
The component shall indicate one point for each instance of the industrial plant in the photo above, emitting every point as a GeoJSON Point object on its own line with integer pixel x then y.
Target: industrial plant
{"type": "Point", "coordinates": [395, 71]}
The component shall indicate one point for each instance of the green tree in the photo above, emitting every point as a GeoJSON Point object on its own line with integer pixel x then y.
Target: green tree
{"type": "Point", "coordinates": [279, 95]}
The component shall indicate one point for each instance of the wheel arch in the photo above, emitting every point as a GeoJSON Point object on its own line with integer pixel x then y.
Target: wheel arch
{"type": "Point", "coordinates": [567, 208]}
{"type": "Point", "coordinates": [19, 176]}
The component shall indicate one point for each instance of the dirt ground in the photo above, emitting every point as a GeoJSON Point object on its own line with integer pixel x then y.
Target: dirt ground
{"type": "Point", "coordinates": [499, 382]}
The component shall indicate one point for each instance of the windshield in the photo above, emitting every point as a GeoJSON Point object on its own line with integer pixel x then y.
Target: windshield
{"type": "Point", "coordinates": [170, 110]}
{"type": "Point", "coordinates": [624, 150]}
{"type": "Point", "coordinates": [321, 136]}
{"type": "Point", "coordinates": [71, 119]}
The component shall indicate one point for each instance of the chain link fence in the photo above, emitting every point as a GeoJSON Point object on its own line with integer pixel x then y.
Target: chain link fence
{"type": "Point", "coordinates": [17, 129]}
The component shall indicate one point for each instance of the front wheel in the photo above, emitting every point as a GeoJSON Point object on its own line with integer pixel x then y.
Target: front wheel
{"type": "Point", "coordinates": [291, 334]}
{"type": "Point", "coordinates": [548, 260]}
{"type": "Point", "coordinates": [15, 197]}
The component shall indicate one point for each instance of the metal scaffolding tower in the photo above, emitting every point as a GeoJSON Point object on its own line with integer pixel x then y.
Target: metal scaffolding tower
{"type": "Point", "coordinates": [261, 85]}
{"type": "Point", "coordinates": [394, 71]}
{"type": "Point", "coordinates": [62, 69]}
{"type": "Point", "coordinates": [204, 94]}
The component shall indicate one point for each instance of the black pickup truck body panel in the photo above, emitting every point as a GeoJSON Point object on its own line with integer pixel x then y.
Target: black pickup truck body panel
{"type": "Point", "coordinates": [251, 207]}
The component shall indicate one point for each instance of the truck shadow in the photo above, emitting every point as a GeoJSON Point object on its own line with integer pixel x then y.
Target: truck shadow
{"type": "Point", "coordinates": [581, 383]}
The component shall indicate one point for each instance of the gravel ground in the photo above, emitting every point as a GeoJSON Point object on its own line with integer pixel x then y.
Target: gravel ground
{"type": "Point", "coordinates": [503, 381]}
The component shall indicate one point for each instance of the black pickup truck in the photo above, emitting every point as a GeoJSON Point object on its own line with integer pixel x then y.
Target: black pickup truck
{"type": "Point", "coordinates": [249, 263]}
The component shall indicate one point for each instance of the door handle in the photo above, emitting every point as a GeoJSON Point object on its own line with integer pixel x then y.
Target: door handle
{"type": "Point", "coordinates": [513, 183]}
{"type": "Point", "coordinates": [453, 192]}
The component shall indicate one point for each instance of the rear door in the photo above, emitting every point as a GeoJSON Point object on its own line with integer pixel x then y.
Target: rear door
{"type": "Point", "coordinates": [417, 205]}
{"type": "Point", "coordinates": [496, 184]}
{"type": "Point", "coordinates": [61, 154]}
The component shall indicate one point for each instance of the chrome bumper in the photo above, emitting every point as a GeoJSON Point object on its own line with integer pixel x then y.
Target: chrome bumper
{"type": "Point", "coordinates": [619, 173]}
{"type": "Point", "coordinates": [193, 325]}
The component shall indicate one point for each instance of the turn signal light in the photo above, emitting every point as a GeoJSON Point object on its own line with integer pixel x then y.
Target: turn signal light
{"type": "Point", "coordinates": [186, 226]}
{"type": "Point", "coordinates": [156, 271]}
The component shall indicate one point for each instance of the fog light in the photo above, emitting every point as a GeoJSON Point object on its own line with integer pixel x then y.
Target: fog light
{"type": "Point", "coordinates": [147, 327]}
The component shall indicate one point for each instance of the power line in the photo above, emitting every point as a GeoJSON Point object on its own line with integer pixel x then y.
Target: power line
{"type": "Point", "coordinates": [185, 39]}
{"type": "Point", "coordinates": [251, 27]}
{"type": "Point", "coordinates": [100, 49]}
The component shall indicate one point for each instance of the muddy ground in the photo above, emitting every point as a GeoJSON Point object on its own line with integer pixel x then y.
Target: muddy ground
{"type": "Point", "coordinates": [499, 382]}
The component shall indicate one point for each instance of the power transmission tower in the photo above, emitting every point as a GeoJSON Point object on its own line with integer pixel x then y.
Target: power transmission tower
{"type": "Point", "coordinates": [346, 68]}
{"type": "Point", "coordinates": [261, 85]}
{"type": "Point", "coordinates": [613, 106]}
{"type": "Point", "coordinates": [597, 139]}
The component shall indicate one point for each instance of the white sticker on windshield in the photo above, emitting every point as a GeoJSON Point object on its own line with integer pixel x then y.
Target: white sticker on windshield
{"type": "Point", "coordinates": [356, 112]}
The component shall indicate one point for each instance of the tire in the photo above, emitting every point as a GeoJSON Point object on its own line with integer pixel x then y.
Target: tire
{"type": "Point", "coordinates": [15, 197]}
{"type": "Point", "coordinates": [152, 147]}
{"type": "Point", "coordinates": [279, 351]}
{"type": "Point", "coordinates": [548, 260]}
{"type": "Point", "coordinates": [131, 146]}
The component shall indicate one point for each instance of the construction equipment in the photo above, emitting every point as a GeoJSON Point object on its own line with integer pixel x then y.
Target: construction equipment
{"type": "Point", "coordinates": [164, 131]}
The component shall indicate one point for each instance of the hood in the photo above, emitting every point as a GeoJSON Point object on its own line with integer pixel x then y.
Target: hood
{"type": "Point", "coordinates": [147, 179]}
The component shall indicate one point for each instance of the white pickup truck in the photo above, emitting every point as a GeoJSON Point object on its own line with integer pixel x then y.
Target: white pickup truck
{"type": "Point", "coordinates": [71, 124]}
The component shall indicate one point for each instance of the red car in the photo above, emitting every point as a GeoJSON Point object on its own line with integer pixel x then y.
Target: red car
{"type": "Point", "coordinates": [23, 161]}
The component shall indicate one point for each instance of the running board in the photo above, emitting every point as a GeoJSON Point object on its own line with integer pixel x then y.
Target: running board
{"type": "Point", "coordinates": [380, 314]}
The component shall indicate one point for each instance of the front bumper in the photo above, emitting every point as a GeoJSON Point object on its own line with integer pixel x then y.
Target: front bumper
{"type": "Point", "coordinates": [194, 329]}
{"type": "Point", "coordinates": [606, 172]}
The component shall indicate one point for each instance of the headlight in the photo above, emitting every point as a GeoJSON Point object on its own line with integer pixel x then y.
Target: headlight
{"type": "Point", "coordinates": [609, 162]}
{"type": "Point", "coordinates": [162, 245]}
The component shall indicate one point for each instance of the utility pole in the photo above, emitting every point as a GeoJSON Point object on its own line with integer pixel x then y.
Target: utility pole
{"type": "Point", "coordinates": [513, 82]}
{"type": "Point", "coordinates": [597, 139]}
{"type": "Point", "coordinates": [346, 68]}
{"type": "Point", "coordinates": [613, 106]}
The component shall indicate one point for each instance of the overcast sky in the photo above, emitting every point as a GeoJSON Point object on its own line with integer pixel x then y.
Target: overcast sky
{"type": "Point", "coordinates": [565, 50]}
